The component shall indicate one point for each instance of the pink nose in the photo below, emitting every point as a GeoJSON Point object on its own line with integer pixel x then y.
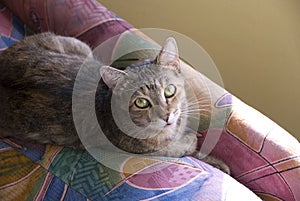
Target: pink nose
{"type": "Point", "coordinates": [171, 118]}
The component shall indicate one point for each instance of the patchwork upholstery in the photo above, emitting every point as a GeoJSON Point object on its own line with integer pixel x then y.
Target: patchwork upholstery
{"type": "Point", "coordinates": [262, 156]}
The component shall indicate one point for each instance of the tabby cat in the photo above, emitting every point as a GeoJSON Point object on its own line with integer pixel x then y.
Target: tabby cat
{"type": "Point", "coordinates": [144, 109]}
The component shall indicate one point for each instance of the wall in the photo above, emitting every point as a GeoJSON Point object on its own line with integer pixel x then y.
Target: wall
{"type": "Point", "coordinates": [255, 45]}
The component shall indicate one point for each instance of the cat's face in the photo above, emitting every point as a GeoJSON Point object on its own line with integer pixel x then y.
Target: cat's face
{"type": "Point", "coordinates": [156, 93]}
{"type": "Point", "coordinates": [157, 103]}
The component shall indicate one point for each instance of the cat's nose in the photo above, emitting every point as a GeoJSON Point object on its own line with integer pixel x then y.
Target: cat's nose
{"type": "Point", "coordinates": [171, 118]}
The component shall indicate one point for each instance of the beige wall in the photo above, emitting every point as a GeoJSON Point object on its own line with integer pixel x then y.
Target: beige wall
{"type": "Point", "coordinates": [254, 43]}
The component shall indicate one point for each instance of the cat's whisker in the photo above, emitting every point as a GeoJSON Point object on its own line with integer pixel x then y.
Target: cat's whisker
{"type": "Point", "coordinates": [195, 117]}
{"type": "Point", "coordinates": [193, 108]}
{"type": "Point", "coordinates": [198, 116]}
{"type": "Point", "coordinates": [193, 114]}
{"type": "Point", "coordinates": [196, 112]}
{"type": "Point", "coordinates": [190, 104]}
{"type": "Point", "coordinates": [190, 110]}
{"type": "Point", "coordinates": [198, 109]}
{"type": "Point", "coordinates": [196, 103]}
{"type": "Point", "coordinates": [198, 100]}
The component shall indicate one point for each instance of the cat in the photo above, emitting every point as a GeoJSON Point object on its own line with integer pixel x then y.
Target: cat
{"type": "Point", "coordinates": [37, 78]}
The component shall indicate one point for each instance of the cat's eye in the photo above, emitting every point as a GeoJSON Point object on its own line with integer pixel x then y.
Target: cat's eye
{"type": "Point", "coordinates": [142, 103]}
{"type": "Point", "coordinates": [170, 91]}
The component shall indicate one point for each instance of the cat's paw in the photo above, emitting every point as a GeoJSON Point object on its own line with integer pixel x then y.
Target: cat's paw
{"type": "Point", "coordinates": [217, 163]}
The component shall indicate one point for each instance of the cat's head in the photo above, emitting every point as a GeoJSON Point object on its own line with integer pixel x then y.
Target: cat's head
{"type": "Point", "coordinates": [155, 89]}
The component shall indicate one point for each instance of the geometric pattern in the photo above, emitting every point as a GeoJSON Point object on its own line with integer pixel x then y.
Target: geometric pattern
{"type": "Point", "coordinates": [91, 178]}
{"type": "Point", "coordinates": [270, 155]}
{"type": "Point", "coordinates": [87, 179]}
{"type": "Point", "coordinates": [262, 156]}
{"type": "Point", "coordinates": [11, 29]}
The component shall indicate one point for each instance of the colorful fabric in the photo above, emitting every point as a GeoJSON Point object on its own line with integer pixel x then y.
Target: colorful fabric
{"type": "Point", "coordinates": [261, 155]}
{"type": "Point", "coordinates": [12, 29]}
{"type": "Point", "coordinates": [37, 172]}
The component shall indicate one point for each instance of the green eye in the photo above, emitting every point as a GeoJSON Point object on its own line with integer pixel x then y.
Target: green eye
{"type": "Point", "coordinates": [142, 103]}
{"type": "Point", "coordinates": [170, 91]}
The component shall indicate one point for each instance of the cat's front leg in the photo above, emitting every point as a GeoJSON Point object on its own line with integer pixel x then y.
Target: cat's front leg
{"type": "Point", "coordinates": [215, 162]}
{"type": "Point", "coordinates": [183, 146]}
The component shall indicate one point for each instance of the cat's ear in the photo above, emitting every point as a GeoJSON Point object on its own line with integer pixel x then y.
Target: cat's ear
{"type": "Point", "coordinates": [168, 55]}
{"type": "Point", "coordinates": [111, 75]}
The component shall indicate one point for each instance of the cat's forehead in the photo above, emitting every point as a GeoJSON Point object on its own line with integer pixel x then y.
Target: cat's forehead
{"type": "Point", "coordinates": [149, 80]}
{"type": "Point", "coordinates": [152, 74]}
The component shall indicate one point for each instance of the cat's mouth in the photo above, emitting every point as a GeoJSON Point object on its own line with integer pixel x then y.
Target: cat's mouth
{"type": "Point", "coordinates": [164, 125]}
{"type": "Point", "coordinates": [169, 124]}
{"type": "Point", "coordinates": [171, 120]}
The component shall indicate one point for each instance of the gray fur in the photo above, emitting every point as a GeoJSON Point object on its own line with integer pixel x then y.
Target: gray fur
{"type": "Point", "coordinates": [37, 76]}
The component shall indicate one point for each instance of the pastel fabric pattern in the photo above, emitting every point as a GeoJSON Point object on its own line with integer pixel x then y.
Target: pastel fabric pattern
{"type": "Point", "coordinates": [12, 29]}
{"type": "Point", "coordinates": [38, 172]}
{"type": "Point", "coordinates": [262, 156]}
